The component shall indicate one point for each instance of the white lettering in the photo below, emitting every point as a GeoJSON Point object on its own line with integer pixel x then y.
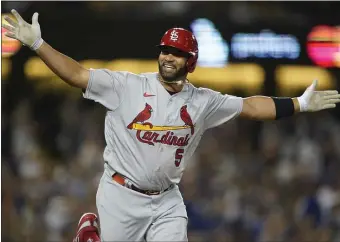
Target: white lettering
{"type": "Point", "coordinates": [266, 44]}
{"type": "Point", "coordinates": [174, 35]}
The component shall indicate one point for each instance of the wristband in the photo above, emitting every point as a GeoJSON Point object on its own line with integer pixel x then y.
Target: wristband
{"type": "Point", "coordinates": [36, 45]}
{"type": "Point", "coordinates": [302, 103]}
{"type": "Point", "coordinates": [284, 107]}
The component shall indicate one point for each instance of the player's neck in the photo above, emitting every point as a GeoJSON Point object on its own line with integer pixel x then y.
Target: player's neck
{"type": "Point", "coordinates": [173, 87]}
{"type": "Point", "coordinates": [176, 86]}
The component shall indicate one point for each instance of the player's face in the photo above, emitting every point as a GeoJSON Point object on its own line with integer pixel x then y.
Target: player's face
{"type": "Point", "coordinates": [172, 64]}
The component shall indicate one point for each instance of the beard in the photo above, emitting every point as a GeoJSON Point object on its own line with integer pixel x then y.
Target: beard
{"type": "Point", "coordinates": [172, 75]}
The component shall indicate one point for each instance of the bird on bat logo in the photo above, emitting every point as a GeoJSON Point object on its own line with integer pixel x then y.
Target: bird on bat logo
{"type": "Point", "coordinates": [185, 116]}
{"type": "Point", "coordinates": [142, 116]}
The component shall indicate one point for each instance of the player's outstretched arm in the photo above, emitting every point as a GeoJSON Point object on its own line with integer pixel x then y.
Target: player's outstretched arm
{"type": "Point", "coordinates": [268, 108]}
{"type": "Point", "coordinates": [29, 35]}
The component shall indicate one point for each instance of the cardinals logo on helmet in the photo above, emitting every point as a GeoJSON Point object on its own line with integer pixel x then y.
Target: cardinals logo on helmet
{"type": "Point", "coordinates": [174, 35]}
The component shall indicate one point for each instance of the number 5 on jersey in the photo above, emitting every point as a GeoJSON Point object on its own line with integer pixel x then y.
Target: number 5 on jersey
{"type": "Point", "coordinates": [178, 157]}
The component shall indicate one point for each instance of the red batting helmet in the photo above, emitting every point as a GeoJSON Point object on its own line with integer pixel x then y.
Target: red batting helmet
{"type": "Point", "coordinates": [183, 40]}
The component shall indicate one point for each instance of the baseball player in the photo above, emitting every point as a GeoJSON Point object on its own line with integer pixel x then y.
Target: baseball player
{"type": "Point", "coordinates": [153, 125]}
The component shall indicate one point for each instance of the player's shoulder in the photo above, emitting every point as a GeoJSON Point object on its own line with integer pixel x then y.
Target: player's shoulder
{"type": "Point", "coordinates": [140, 77]}
{"type": "Point", "coordinates": [149, 75]}
{"type": "Point", "coordinates": [127, 74]}
{"type": "Point", "coordinates": [203, 91]}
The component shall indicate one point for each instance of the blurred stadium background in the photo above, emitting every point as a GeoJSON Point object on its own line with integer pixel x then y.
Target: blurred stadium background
{"type": "Point", "coordinates": [248, 181]}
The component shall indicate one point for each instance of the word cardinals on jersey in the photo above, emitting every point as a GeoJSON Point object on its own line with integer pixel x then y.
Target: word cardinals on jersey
{"type": "Point", "coordinates": [146, 134]}
{"type": "Point", "coordinates": [169, 138]}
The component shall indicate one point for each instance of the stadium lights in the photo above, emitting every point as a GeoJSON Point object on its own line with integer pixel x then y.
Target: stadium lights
{"type": "Point", "coordinates": [292, 77]}
{"type": "Point", "coordinates": [248, 77]}
{"type": "Point", "coordinates": [241, 76]}
{"type": "Point", "coordinates": [6, 66]}
{"type": "Point", "coordinates": [9, 47]}
{"type": "Point", "coordinates": [323, 46]}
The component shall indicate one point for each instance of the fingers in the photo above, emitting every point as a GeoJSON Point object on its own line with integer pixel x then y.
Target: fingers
{"type": "Point", "coordinates": [8, 27]}
{"type": "Point", "coordinates": [327, 106]}
{"type": "Point", "coordinates": [333, 101]}
{"type": "Point", "coordinates": [11, 21]}
{"type": "Point", "coordinates": [337, 96]}
{"type": "Point", "coordinates": [35, 18]}
{"type": "Point", "coordinates": [314, 85]}
{"type": "Point", "coordinates": [11, 35]}
{"type": "Point", "coordinates": [330, 92]}
{"type": "Point", "coordinates": [333, 97]}
{"type": "Point", "coordinates": [17, 16]}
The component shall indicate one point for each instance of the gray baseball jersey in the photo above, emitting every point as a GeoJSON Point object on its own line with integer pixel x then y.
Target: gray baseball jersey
{"type": "Point", "coordinates": [150, 134]}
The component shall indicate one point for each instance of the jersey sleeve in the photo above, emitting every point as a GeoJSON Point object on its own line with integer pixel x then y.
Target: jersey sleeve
{"type": "Point", "coordinates": [106, 87]}
{"type": "Point", "coordinates": [221, 108]}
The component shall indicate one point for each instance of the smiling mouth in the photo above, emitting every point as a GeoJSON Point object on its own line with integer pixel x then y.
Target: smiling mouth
{"type": "Point", "coordinates": [169, 67]}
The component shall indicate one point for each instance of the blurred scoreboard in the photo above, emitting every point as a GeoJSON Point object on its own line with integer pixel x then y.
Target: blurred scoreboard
{"type": "Point", "coordinates": [323, 45]}
{"type": "Point", "coordinates": [318, 45]}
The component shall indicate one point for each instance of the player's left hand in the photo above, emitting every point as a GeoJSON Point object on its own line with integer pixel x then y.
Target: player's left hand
{"type": "Point", "coordinates": [312, 100]}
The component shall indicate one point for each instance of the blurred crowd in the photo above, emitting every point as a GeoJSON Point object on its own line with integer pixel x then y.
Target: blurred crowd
{"type": "Point", "coordinates": [247, 181]}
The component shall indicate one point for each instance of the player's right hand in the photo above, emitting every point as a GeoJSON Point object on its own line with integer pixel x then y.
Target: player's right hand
{"type": "Point", "coordinates": [27, 34]}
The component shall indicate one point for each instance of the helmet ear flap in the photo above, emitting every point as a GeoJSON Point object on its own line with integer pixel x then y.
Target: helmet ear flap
{"type": "Point", "coordinates": [191, 64]}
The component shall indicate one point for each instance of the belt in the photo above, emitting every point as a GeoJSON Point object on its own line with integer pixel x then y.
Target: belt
{"type": "Point", "coordinates": [127, 183]}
